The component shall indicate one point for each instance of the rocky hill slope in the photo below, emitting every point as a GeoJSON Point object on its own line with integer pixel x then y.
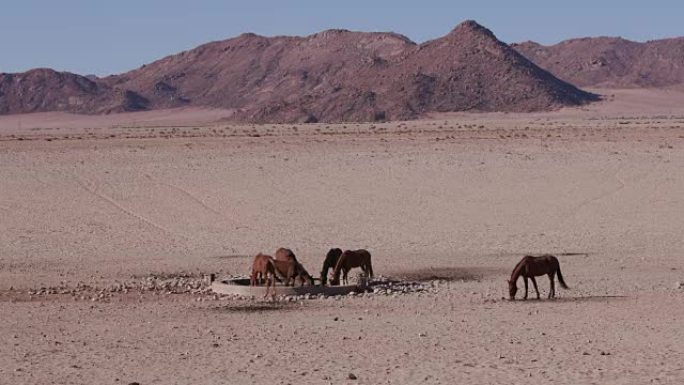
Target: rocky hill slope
{"type": "Point", "coordinates": [611, 62]}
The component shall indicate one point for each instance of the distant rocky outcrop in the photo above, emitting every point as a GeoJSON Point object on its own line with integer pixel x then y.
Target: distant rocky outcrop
{"type": "Point", "coordinates": [611, 62]}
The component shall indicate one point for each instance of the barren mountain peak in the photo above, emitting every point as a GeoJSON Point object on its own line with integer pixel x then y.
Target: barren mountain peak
{"type": "Point", "coordinates": [527, 43]}
{"type": "Point", "coordinates": [332, 32]}
{"type": "Point", "coordinates": [249, 35]}
{"type": "Point", "coordinates": [471, 27]}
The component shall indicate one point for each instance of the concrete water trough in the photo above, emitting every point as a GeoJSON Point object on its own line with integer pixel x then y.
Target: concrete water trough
{"type": "Point", "coordinates": [240, 286]}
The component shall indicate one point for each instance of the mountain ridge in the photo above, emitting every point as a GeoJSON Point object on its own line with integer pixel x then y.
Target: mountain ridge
{"type": "Point", "coordinates": [331, 76]}
{"type": "Point", "coordinates": [611, 62]}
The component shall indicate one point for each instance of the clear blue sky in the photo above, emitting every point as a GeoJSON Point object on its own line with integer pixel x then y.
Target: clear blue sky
{"type": "Point", "coordinates": [105, 37]}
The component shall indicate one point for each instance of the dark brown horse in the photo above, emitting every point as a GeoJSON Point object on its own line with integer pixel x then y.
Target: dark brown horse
{"type": "Point", "coordinates": [530, 267]}
{"type": "Point", "coordinates": [263, 267]}
{"type": "Point", "coordinates": [329, 263]}
{"type": "Point", "coordinates": [350, 259]}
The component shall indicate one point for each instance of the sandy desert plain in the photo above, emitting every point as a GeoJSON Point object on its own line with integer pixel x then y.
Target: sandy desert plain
{"type": "Point", "coordinates": [109, 223]}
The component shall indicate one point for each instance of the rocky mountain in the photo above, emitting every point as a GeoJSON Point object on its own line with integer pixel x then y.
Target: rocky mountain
{"type": "Point", "coordinates": [611, 62]}
{"type": "Point", "coordinates": [48, 90]}
{"type": "Point", "coordinates": [331, 76]}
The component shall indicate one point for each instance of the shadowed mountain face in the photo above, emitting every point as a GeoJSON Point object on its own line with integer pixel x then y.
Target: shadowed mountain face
{"type": "Point", "coordinates": [48, 90]}
{"type": "Point", "coordinates": [611, 62]}
{"type": "Point", "coordinates": [331, 76]}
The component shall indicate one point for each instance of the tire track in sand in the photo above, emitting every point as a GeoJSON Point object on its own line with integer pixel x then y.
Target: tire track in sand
{"type": "Point", "coordinates": [119, 207]}
{"type": "Point", "coordinates": [197, 200]}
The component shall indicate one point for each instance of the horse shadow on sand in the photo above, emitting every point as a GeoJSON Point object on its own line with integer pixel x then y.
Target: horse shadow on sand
{"type": "Point", "coordinates": [571, 299]}
{"type": "Point", "coordinates": [448, 274]}
{"type": "Point", "coordinates": [258, 307]}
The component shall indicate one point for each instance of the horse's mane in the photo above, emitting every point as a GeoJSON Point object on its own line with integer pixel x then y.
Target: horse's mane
{"type": "Point", "coordinates": [331, 259]}
{"type": "Point", "coordinates": [338, 267]}
{"type": "Point", "coordinates": [518, 267]}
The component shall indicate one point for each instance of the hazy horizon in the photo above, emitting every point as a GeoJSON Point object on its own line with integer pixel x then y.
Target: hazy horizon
{"type": "Point", "coordinates": [101, 39]}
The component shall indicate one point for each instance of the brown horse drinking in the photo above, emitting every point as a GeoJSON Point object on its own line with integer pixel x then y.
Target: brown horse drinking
{"type": "Point", "coordinates": [283, 254]}
{"type": "Point", "coordinates": [350, 259]}
{"type": "Point", "coordinates": [286, 264]}
{"type": "Point", "coordinates": [329, 263]}
{"type": "Point", "coordinates": [291, 271]}
{"type": "Point", "coordinates": [303, 275]}
{"type": "Point", "coordinates": [530, 267]}
{"type": "Point", "coordinates": [263, 267]}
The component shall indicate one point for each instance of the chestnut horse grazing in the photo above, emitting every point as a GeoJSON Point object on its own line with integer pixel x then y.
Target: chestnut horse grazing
{"type": "Point", "coordinates": [329, 263]}
{"type": "Point", "coordinates": [263, 268]}
{"type": "Point", "coordinates": [350, 259]}
{"type": "Point", "coordinates": [530, 267]}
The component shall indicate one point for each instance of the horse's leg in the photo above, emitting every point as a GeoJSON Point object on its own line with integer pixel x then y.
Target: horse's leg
{"type": "Point", "coordinates": [345, 273]}
{"type": "Point", "coordinates": [525, 279]}
{"type": "Point", "coordinates": [267, 286]}
{"type": "Point", "coordinates": [552, 292]}
{"type": "Point", "coordinates": [291, 275]}
{"type": "Point", "coordinates": [534, 282]}
{"type": "Point", "coordinates": [273, 289]}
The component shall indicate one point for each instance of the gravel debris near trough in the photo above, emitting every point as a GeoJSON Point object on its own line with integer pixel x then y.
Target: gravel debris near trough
{"type": "Point", "coordinates": [199, 286]}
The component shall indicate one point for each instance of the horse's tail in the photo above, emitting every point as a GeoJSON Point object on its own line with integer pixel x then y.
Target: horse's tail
{"type": "Point", "coordinates": [370, 267]}
{"type": "Point", "coordinates": [560, 278]}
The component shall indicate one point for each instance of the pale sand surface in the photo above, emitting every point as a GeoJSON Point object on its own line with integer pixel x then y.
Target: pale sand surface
{"type": "Point", "coordinates": [469, 194]}
{"type": "Point", "coordinates": [61, 120]}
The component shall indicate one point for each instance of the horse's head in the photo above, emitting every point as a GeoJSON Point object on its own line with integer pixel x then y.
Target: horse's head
{"type": "Point", "coordinates": [512, 289]}
{"type": "Point", "coordinates": [310, 279]}
{"type": "Point", "coordinates": [334, 279]}
{"type": "Point", "coordinates": [304, 275]}
{"type": "Point", "coordinates": [324, 278]}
